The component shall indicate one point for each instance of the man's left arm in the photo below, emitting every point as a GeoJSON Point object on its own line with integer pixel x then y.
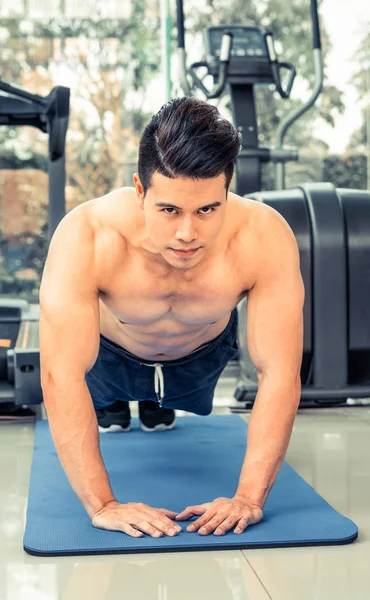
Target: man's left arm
{"type": "Point", "coordinates": [275, 344]}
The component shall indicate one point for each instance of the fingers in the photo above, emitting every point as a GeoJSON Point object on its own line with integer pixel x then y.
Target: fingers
{"type": "Point", "coordinates": [208, 522]}
{"type": "Point", "coordinates": [159, 524]}
{"type": "Point", "coordinates": [167, 513]}
{"type": "Point", "coordinates": [191, 511]}
{"type": "Point", "coordinates": [228, 524]}
{"type": "Point", "coordinates": [243, 523]}
{"type": "Point", "coordinates": [134, 518]}
{"type": "Point", "coordinates": [115, 525]}
{"type": "Point", "coordinates": [155, 528]}
{"type": "Point", "coordinates": [126, 528]}
{"type": "Point", "coordinates": [221, 521]}
{"type": "Point", "coordinates": [184, 516]}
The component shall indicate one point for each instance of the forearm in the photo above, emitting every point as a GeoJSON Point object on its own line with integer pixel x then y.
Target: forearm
{"type": "Point", "coordinates": [269, 431]}
{"type": "Point", "coordinates": [75, 432]}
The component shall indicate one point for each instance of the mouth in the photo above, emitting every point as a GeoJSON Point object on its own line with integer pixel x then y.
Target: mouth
{"type": "Point", "coordinates": [185, 253]}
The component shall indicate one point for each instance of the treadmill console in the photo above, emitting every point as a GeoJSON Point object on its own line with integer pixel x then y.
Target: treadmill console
{"type": "Point", "coordinates": [249, 56]}
{"type": "Point", "coordinates": [247, 42]}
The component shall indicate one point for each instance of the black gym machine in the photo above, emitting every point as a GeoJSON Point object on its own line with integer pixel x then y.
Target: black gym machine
{"type": "Point", "coordinates": [331, 226]}
{"type": "Point", "coordinates": [19, 345]}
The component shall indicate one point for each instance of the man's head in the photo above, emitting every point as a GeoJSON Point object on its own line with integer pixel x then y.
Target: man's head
{"type": "Point", "coordinates": [186, 160]}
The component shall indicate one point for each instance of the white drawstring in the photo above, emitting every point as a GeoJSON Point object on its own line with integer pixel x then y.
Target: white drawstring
{"type": "Point", "coordinates": [158, 380]}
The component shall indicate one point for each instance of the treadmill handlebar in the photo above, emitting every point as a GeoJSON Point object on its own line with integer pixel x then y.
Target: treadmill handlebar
{"type": "Point", "coordinates": [226, 45]}
{"type": "Point", "coordinates": [225, 52]}
{"type": "Point", "coordinates": [276, 67]}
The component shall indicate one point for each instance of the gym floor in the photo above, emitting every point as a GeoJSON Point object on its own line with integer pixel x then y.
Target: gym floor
{"type": "Point", "coordinates": [329, 448]}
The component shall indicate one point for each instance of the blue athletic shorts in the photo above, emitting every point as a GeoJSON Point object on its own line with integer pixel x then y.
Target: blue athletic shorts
{"type": "Point", "coordinates": [187, 383]}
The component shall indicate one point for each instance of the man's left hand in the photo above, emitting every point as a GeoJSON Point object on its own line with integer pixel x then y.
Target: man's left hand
{"type": "Point", "coordinates": [221, 515]}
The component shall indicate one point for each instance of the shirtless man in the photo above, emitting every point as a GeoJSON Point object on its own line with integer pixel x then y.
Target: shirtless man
{"type": "Point", "coordinates": [125, 316]}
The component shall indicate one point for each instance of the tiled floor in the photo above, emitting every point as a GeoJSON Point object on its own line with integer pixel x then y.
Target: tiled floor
{"type": "Point", "coordinates": [330, 448]}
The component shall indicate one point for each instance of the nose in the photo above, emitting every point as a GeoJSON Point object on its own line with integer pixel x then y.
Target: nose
{"type": "Point", "coordinates": [186, 232]}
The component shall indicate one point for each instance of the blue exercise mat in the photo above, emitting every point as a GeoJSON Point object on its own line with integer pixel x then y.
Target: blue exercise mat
{"type": "Point", "coordinates": [196, 462]}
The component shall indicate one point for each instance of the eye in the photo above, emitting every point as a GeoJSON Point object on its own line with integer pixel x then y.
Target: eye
{"type": "Point", "coordinates": [205, 208]}
{"type": "Point", "coordinates": [208, 208]}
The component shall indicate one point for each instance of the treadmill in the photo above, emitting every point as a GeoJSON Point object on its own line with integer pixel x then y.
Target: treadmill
{"type": "Point", "coordinates": [20, 384]}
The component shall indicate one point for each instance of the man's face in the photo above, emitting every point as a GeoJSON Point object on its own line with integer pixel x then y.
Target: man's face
{"type": "Point", "coordinates": [183, 214]}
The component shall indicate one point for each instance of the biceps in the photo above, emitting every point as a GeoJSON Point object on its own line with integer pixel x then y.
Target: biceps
{"type": "Point", "coordinates": [275, 326]}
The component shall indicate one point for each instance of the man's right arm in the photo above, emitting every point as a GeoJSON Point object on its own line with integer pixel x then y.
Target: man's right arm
{"type": "Point", "coordinates": [69, 344]}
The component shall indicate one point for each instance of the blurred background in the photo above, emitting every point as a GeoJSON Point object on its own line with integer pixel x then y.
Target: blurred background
{"type": "Point", "coordinates": [121, 67]}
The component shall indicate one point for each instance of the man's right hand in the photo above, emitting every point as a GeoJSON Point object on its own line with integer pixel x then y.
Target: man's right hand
{"type": "Point", "coordinates": [134, 518]}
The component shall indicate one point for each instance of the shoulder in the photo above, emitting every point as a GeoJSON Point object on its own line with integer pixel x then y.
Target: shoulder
{"type": "Point", "coordinates": [263, 221]}
{"type": "Point", "coordinates": [104, 224]}
{"type": "Point", "coordinates": [108, 212]}
{"type": "Point", "coordinates": [257, 216]}
{"type": "Point", "coordinates": [109, 219]}
{"type": "Point", "coordinates": [263, 235]}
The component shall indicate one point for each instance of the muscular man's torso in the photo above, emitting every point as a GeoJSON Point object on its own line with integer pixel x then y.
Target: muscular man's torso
{"type": "Point", "coordinates": [153, 310]}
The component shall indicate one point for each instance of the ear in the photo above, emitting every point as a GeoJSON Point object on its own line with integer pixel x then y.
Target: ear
{"type": "Point", "coordinates": [139, 190]}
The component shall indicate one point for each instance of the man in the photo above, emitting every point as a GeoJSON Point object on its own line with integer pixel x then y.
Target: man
{"type": "Point", "coordinates": [138, 302]}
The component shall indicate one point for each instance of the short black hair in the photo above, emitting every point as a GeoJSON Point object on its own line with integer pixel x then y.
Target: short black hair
{"type": "Point", "coordinates": [188, 138]}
